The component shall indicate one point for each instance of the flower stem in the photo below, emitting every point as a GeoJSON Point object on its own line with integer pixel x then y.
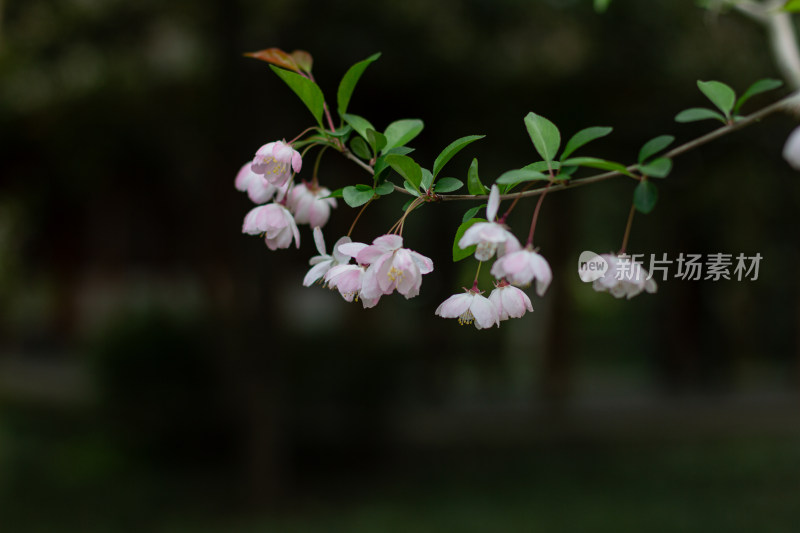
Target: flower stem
{"type": "Point", "coordinates": [477, 273]}
{"type": "Point", "coordinates": [353, 225]}
{"type": "Point", "coordinates": [301, 134]}
{"type": "Point", "coordinates": [314, 182]}
{"type": "Point", "coordinates": [536, 215]}
{"type": "Point", "coordinates": [627, 230]}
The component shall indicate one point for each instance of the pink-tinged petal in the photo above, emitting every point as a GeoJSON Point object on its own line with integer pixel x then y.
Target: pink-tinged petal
{"type": "Point", "coordinates": [494, 203]}
{"type": "Point", "coordinates": [350, 249]}
{"type": "Point", "coordinates": [369, 302]}
{"type": "Point", "coordinates": [406, 272]}
{"type": "Point", "coordinates": [455, 306]}
{"type": "Point", "coordinates": [425, 264]}
{"type": "Point", "coordinates": [282, 152]}
{"type": "Point", "coordinates": [497, 299]}
{"type": "Point", "coordinates": [319, 241]}
{"type": "Point", "coordinates": [259, 190]}
{"type": "Point", "coordinates": [510, 245]}
{"type": "Point", "coordinates": [316, 272]}
{"type": "Point", "coordinates": [370, 254]}
{"type": "Point", "coordinates": [319, 213]}
{"type": "Point", "coordinates": [295, 231]}
{"type": "Point", "coordinates": [243, 177]}
{"type": "Point", "coordinates": [383, 267]}
{"type": "Point", "coordinates": [515, 302]}
{"type": "Point", "coordinates": [338, 256]}
{"type": "Point", "coordinates": [297, 162]}
{"type": "Point", "coordinates": [485, 312]}
{"type": "Point", "coordinates": [542, 273]}
{"type": "Point", "coordinates": [369, 284]}
{"type": "Point", "coordinates": [791, 150]}
{"type": "Point", "coordinates": [388, 243]}
{"type": "Point", "coordinates": [262, 159]}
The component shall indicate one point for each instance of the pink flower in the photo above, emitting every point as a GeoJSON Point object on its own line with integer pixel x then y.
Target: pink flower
{"type": "Point", "coordinates": [390, 267]}
{"type": "Point", "coordinates": [510, 301]}
{"type": "Point", "coordinates": [348, 280]}
{"type": "Point", "coordinates": [275, 161]}
{"type": "Point", "coordinates": [470, 307]}
{"type": "Point", "coordinates": [258, 188]}
{"type": "Point", "coordinates": [274, 220]}
{"type": "Point", "coordinates": [624, 277]}
{"type": "Point", "coordinates": [310, 205]}
{"type": "Point", "coordinates": [522, 267]}
{"type": "Point", "coordinates": [490, 237]}
{"type": "Point", "coordinates": [320, 264]}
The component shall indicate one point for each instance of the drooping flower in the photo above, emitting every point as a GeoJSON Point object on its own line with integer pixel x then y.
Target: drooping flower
{"type": "Point", "coordinates": [320, 264]}
{"type": "Point", "coordinates": [624, 277]}
{"type": "Point", "coordinates": [276, 161]}
{"type": "Point", "coordinates": [310, 205]}
{"type": "Point", "coordinates": [470, 307]}
{"type": "Point", "coordinates": [791, 150]}
{"type": "Point", "coordinates": [391, 267]}
{"type": "Point", "coordinates": [259, 190]}
{"type": "Point", "coordinates": [276, 222]}
{"type": "Point", "coordinates": [510, 301]}
{"type": "Point", "coordinates": [491, 236]}
{"type": "Point", "coordinates": [522, 267]}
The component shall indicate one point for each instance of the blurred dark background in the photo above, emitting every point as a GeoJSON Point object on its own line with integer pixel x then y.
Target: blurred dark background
{"type": "Point", "coordinates": [160, 371]}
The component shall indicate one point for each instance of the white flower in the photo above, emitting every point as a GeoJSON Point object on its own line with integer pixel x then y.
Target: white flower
{"type": "Point", "coordinates": [310, 205]}
{"type": "Point", "coordinates": [276, 161]}
{"type": "Point", "coordinates": [624, 277]}
{"type": "Point", "coordinates": [470, 307]}
{"type": "Point", "coordinates": [274, 220]}
{"type": "Point", "coordinates": [258, 188]}
{"type": "Point", "coordinates": [322, 263]}
{"type": "Point", "coordinates": [791, 150]}
{"type": "Point", "coordinates": [490, 237]}
{"type": "Point", "coordinates": [522, 267]}
{"type": "Point", "coordinates": [390, 267]}
{"type": "Point", "coordinates": [510, 301]}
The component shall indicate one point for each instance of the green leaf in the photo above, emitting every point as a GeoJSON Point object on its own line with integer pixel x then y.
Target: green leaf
{"type": "Point", "coordinates": [584, 136]}
{"type": "Point", "coordinates": [458, 253]}
{"type": "Point", "coordinates": [344, 131]}
{"type": "Point", "coordinates": [399, 150]}
{"type": "Point", "coordinates": [519, 175]}
{"type": "Point", "coordinates": [427, 179]}
{"type": "Point", "coordinates": [452, 149]}
{"type": "Point", "coordinates": [308, 91]}
{"type": "Point", "coordinates": [544, 134]}
{"type": "Point", "coordinates": [410, 188]}
{"type": "Point", "coordinates": [400, 132]}
{"type": "Point", "coordinates": [759, 87]}
{"type": "Point", "coordinates": [594, 162]}
{"type": "Point", "coordinates": [335, 194]}
{"type": "Point", "coordinates": [653, 146]}
{"type": "Point", "coordinates": [657, 168]}
{"type": "Point", "coordinates": [359, 147]}
{"type": "Point", "coordinates": [357, 195]}
{"type": "Point", "coordinates": [600, 6]}
{"type": "Point", "coordinates": [387, 187]}
{"type": "Point", "coordinates": [720, 95]}
{"type": "Point", "coordinates": [349, 81]}
{"type": "Point", "coordinates": [360, 124]}
{"type": "Point", "coordinates": [543, 166]}
{"type": "Point", "coordinates": [474, 185]}
{"type": "Point", "coordinates": [694, 114]}
{"type": "Point", "coordinates": [645, 197]}
{"type": "Point", "coordinates": [472, 212]}
{"type": "Point", "coordinates": [792, 6]}
{"type": "Point", "coordinates": [406, 167]}
{"type": "Point", "coordinates": [444, 185]}
{"type": "Point", "coordinates": [376, 140]}
{"type": "Point", "coordinates": [407, 204]}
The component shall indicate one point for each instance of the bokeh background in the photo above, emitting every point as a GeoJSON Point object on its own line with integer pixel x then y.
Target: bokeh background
{"type": "Point", "coordinates": [160, 371]}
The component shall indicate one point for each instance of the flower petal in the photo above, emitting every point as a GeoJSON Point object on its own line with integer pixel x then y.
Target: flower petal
{"type": "Point", "coordinates": [494, 203]}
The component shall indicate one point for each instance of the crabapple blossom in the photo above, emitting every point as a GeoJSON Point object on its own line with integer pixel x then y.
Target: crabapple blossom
{"type": "Point", "coordinates": [470, 307]}
{"type": "Point", "coordinates": [310, 205]}
{"type": "Point", "coordinates": [259, 190]}
{"type": "Point", "coordinates": [522, 267]}
{"type": "Point", "coordinates": [791, 150]}
{"type": "Point", "coordinates": [624, 277]}
{"type": "Point", "coordinates": [390, 267]}
{"type": "Point", "coordinates": [348, 280]}
{"type": "Point", "coordinates": [276, 161]}
{"type": "Point", "coordinates": [320, 264]}
{"type": "Point", "coordinates": [490, 237]}
{"type": "Point", "coordinates": [510, 301]}
{"type": "Point", "coordinates": [274, 220]}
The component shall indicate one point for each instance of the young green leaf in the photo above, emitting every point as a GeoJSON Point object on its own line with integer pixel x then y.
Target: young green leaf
{"type": "Point", "coordinates": [308, 91]}
{"type": "Point", "coordinates": [720, 95]}
{"type": "Point", "coordinates": [758, 87]}
{"type": "Point", "coordinates": [471, 212]}
{"type": "Point", "coordinates": [458, 253]}
{"type": "Point", "coordinates": [410, 188]}
{"type": "Point", "coordinates": [519, 175]}
{"type": "Point", "coordinates": [694, 114]}
{"type": "Point", "coordinates": [543, 166]}
{"type": "Point", "coordinates": [303, 60]}
{"type": "Point", "coordinates": [335, 194]}
{"type": "Point", "coordinates": [376, 140]}
{"type": "Point", "coordinates": [357, 195]}
{"type": "Point", "coordinates": [657, 168]}
{"type": "Point", "coordinates": [792, 6]}
{"type": "Point", "coordinates": [406, 167]}
{"type": "Point", "coordinates": [653, 146]}
{"type": "Point", "coordinates": [359, 147]}
{"type": "Point", "coordinates": [387, 187]}
{"type": "Point", "coordinates": [344, 131]}
{"type": "Point", "coordinates": [474, 185]}
{"type": "Point", "coordinates": [645, 197]}
{"type": "Point", "coordinates": [593, 162]}
{"type": "Point", "coordinates": [451, 150]}
{"type": "Point", "coordinates": [400, 132]}
{"type": "Point", "coordinates": [360, 124]}
{"type": "Point", "coordinates": [427, 179]}
{"type": "Point", "coordinates": [544, 134]}
{"type": "Point", "coordinates": [444, 185]}
{"type": "Point", "coordinates": [584, 136]}
{"type": "Point", "coordinates": [349, 81]}
{"type": "Point", "coordinates": [276, 56]}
